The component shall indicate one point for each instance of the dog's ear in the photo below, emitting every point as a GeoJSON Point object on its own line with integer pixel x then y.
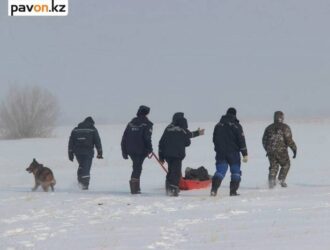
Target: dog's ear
{"type": "Point", "coordinates": [34, 160]}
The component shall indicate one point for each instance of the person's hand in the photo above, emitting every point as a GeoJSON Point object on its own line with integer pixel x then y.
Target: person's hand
{"type": "Point", "coordinates": [294, 154]}
{"type": "Point", "coordinates": [245, 159]}
{"type": "Point", "coordinates": [125, 156]}
{"type": "Point", "coordinates": [99, 156]}
{"type": "Point", "coordinates": [71, 156]}
{"type": "Point", "coordinates": [201, 131]}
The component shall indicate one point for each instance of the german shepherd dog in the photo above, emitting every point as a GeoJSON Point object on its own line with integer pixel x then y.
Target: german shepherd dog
{"type": "Point", "coordinates": [42, 175]}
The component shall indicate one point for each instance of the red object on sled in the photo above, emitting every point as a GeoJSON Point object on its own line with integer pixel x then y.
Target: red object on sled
{"type": "Point", "coordinates": [185, 184]}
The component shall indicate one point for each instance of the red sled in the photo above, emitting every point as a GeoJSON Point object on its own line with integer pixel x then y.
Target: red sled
{"type": "Point", "coordinates": [186, 184]}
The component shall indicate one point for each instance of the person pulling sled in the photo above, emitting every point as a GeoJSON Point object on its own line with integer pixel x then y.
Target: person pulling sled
{"type": "Point", "coordinates": [172, 148]}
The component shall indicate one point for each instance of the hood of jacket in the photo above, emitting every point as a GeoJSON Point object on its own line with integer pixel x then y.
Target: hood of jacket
{"type": "Point", "coordinates": [278, 117]}
{"type": "Point", "coordinates": [177, 116]}
{"type": "Point", "coordinates": [229, 118]}
{"type": "Point", "coordinates": [87, 123]}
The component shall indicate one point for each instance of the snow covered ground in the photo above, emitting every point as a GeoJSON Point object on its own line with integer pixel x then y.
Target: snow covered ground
{"type": "Point", "coordinates": [108, 217]}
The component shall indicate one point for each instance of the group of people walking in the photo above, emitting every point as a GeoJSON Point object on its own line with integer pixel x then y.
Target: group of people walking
{"type": "Point", "coordinates": [229, 145]}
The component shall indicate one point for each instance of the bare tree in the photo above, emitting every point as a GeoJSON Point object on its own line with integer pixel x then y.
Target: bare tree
{"type": "Point", "coordinates": [26, 112]}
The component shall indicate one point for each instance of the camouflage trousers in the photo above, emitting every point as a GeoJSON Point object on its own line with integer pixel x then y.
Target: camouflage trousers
{"type": "Point", "coordinates": [277, 160]}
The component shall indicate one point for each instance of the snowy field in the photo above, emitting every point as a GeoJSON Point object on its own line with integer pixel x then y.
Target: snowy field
{"type": "Point", "coordinates": [108, 217]}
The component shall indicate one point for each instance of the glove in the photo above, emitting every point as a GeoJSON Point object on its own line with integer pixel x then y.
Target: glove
{"type": "Point", "coordinates": [294, 154]}
{"type": "Point", "coordinates": [99, 156]}
{"type": "Point", "coordinates": [201, 131]}
{"type": "Point", "coordinates": [245, 159]}
{"type": "Point", "coordinates": [125, 156]}
{"type": "Point", "coordinates": [71, 156]}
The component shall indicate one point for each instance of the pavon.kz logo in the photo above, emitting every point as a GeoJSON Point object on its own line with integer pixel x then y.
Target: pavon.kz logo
{"type": "Point", "coordinates": [38, 7]}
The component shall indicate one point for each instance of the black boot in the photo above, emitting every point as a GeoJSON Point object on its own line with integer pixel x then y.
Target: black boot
{"type": "Point", "coordinates": [271, 181]}
{"type": "Point", "coordinates": [135, 186]}
{"type": "Point", "coordinates": [216, 182]}
{"type": "Point", "coordinates": [173, 190]}
{"type": "Point", "coordinates": [234, 185]}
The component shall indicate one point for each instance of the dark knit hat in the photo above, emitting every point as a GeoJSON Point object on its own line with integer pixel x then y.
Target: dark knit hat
{"type": "Point", "coordinates": [143, 111]}
{"type": "Point", "coordinates": [231, 111]}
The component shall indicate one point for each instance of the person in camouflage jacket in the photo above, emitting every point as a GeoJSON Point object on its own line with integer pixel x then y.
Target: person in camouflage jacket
{"type": "Point", "coordinates": [276, 140]}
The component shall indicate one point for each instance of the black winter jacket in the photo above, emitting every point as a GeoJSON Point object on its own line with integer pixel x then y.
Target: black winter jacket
{"type": "Point", "coordinates": [228, 137]}
{"type": "Point", "coordinates": [83, 139]}
{"type": "Point", "coordinates": [136, 139]}
{"type": "Point", "coordinates": [174, 140]}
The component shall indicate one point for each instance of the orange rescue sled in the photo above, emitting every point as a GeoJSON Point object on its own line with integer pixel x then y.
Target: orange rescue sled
{"type": "Point", "coordinates": [186, 184]}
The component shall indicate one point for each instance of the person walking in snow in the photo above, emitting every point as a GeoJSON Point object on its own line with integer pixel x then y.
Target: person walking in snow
{"type": "Point", "coordinates": [136, 143]}
{"type": "Point", "coordinates": [82, 141]}
{"type": "Point", "coordinates": [172, 148]}
{"type": "Point", "coordinates": [229, 142]}
{"type": "Point", "coordinates": [276, 140]}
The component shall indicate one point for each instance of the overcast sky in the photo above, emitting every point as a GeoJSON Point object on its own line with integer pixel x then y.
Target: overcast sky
{"type": "Point", "coordinates": [109, 56]}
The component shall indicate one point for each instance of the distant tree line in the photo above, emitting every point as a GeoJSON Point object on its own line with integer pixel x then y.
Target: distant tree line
{"type": "Point", "coordinates": [28, 112]}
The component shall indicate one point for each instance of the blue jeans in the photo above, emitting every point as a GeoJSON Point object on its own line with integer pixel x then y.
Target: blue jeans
{"type": "Point", "coordinates": [233, 161]}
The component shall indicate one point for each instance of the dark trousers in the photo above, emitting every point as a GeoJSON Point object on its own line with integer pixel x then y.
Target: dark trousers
{"type": "Point", "coordinates": [174, 171]}
{"type": "Point", "coordinates": [83, 173]}
{"type": "Point", "coordinates": [137, 165]}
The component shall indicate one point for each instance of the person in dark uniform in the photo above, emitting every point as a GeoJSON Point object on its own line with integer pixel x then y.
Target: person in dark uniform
{"type": "Point", "coordinates": [82, 141]}
{"type": "Point", "coordinates": [172, 148]}
{"type": "Point", "coordinates": [229, 142]}
{"type": "Point", "coordinates": [136, 143]}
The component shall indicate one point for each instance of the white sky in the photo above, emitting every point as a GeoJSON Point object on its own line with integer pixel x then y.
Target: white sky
{"type": "Point", "coordinates": [108, 57]}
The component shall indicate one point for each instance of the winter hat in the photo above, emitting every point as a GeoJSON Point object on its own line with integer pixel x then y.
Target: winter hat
{"type": "Point", "coordinates": [278, 116]}
{"type": "Point", "coordinates": [231, 111]}
{"type": "Point", "coordinates": [90, 120]}
{"type": "Point", "coordinates": [143, 111]}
